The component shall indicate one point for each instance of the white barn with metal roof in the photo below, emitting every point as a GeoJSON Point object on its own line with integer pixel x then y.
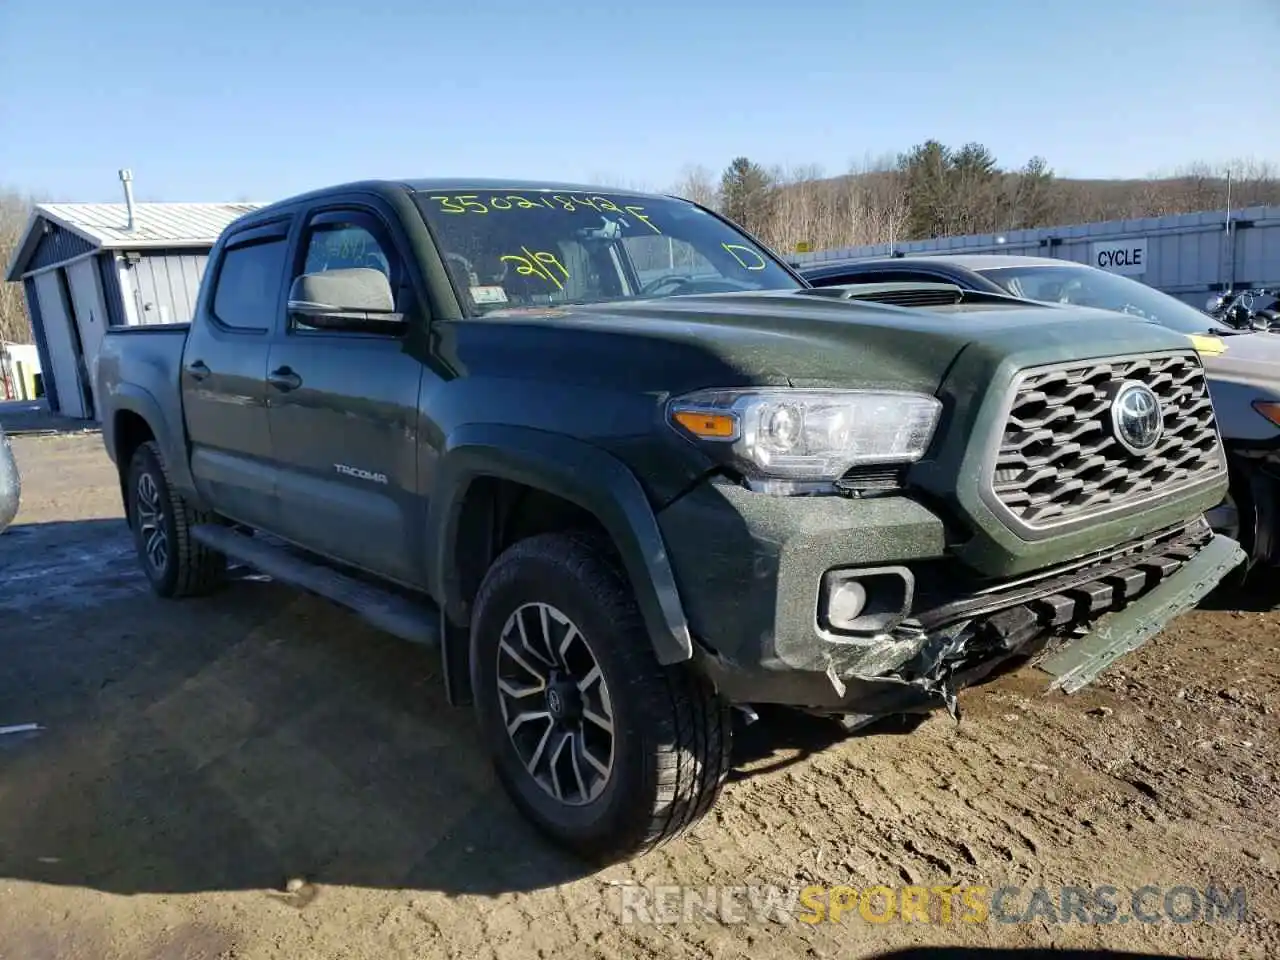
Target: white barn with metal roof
{"type": "Point", "coordinates": [88, 266]}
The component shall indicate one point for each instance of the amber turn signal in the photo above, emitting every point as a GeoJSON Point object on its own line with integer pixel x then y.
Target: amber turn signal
{"type": "Point", "coordinates": [1269, 409]}
{"type": "Point", "coordinates": [709, 426]}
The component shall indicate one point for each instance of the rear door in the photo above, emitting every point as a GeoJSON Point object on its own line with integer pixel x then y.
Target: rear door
{"type": "Point", "coordinates": [224, 369]}
{"type": "Point", "coordinates": [343, 407]}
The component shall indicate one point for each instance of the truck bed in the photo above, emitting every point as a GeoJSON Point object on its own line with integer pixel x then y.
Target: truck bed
{"type": "Point", "coordinates": [144, 360]}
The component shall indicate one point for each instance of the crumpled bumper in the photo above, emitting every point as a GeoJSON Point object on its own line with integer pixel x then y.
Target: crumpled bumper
{"type": "Point", "coordinates": [955, 656]}
{"type": "Point", "coordinates": [1077, 663]}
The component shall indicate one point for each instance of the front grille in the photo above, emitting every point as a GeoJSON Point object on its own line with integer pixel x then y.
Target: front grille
{"type": "Point", "coordinates": [1059, 459]}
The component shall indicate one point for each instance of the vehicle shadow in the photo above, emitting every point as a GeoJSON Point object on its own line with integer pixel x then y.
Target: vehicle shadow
{"type": "Point", "coordinates": [33, 418]}
{"type": "Point", "coordinates": [237, 741]}
{"type": "Point", "coordinates": [783, 737]}
{"type": "Point", "coordinates": [1260, 593]}
{"type": "Point", "coordinates": [243, 739]}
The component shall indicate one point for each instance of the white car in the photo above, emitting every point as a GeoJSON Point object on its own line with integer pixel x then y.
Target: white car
{"type": "Point", "coordinates": [10, 483]}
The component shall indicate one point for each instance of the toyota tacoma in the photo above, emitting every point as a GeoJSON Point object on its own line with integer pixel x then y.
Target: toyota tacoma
{"type": "Point", "coordinates": [627, 471]}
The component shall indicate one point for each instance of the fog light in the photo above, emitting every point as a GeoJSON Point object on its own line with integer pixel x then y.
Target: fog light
{"type": "Point", "coordinates": [864, 601]}
{"type": "Point", "coordinates": [846, 604]}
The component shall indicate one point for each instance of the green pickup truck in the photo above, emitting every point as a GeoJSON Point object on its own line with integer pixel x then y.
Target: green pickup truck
{"type": "Point", "coordinates": [627, 471]}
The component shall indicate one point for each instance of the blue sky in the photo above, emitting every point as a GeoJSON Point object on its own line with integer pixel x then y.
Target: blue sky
{"type": "Point", "coordinates": [257, 100]}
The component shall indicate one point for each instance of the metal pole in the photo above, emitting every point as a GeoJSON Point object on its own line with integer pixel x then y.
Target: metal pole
{"type": "Point", "coordinates": [1231, 242]}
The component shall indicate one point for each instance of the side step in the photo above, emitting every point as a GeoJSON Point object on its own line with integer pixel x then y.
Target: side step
{"type": "Point", "coordinates": [397, 615]}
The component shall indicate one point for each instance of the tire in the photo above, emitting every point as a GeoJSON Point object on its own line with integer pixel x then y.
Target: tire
{"type": "Point", "coordinates": [668, 756]}
{"type": "Point", "coordinates": [160, 516]}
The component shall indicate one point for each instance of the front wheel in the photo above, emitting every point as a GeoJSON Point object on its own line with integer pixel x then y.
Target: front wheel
{"type": "Point", "coordinates": [605, 750]}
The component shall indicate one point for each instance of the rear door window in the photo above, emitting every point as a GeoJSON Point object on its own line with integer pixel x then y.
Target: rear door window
{"type": "Point", "coordinates": [249, 283]}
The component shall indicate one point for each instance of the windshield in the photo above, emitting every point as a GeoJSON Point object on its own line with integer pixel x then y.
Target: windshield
{"type": "Point", "coordinates": [532, 248]}
{"type": "Point", "coordinates": [1088, 287]}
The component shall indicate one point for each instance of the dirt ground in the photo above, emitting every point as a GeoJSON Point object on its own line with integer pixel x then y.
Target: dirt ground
{"type": "Point", "coordinates": [193, 757]}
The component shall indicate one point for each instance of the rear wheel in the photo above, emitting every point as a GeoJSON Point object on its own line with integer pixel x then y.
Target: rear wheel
{"type": "Point", "coordinates": [173, 561]}
{"type": "Point", "coordinates": [605, 750]}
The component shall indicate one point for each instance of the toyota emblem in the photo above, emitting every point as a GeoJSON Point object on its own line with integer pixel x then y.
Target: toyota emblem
{"type": "Point", "coordinates": [1137, 419]}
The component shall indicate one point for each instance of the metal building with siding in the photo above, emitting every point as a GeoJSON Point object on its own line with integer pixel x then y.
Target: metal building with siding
{"type": "Point", "coordinates": [1187, 255]}
{"type": "Point", "coordinates": [87, 266]}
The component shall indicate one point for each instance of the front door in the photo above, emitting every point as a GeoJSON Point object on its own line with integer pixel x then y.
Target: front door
{"type": "Point", "coordinates": [55, 308]}
{"type": "Point", "coordinates": [343, 408]}
{"type": "Point", "coordinates": [224, 367]}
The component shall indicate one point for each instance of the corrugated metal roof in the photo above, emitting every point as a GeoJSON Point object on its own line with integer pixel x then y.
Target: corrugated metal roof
{"type": "Point", "coordinates": [156, 224]}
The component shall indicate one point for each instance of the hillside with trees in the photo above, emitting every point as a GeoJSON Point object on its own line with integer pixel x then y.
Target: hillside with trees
{"type": "Point", "coordinates": [935, 190]}
{"type": "Point", "coordinates": [931, 190]}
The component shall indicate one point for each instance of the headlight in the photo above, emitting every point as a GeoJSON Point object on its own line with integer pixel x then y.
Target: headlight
{"type": "Point", "coordinates": [811, 436]}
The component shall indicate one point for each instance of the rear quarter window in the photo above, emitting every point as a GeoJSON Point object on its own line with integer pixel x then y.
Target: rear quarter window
{"type": "Point", "coordinates": [248, 284]}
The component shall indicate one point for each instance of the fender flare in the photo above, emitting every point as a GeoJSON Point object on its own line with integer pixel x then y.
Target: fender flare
{"type": "Point", "coordinates": [575, 471]}
{"type": "Point", "coordinates": [131, 398]}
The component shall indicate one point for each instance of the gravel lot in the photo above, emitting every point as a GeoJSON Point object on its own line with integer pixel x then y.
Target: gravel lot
{"type": "Point", "coordinates": [193, 757]}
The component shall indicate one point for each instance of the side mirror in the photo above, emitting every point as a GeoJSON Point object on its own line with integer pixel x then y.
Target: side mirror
{"type": "Point", "coordinates": [357, 298]}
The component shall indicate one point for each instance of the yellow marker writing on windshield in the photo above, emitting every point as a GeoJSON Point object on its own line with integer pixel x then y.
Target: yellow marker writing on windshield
{"type": "Point", "coordinates": [732, 249]}
{"type": "Point", "coordinates": [538, 263]}
{"type": "Point", "coordinates": [635, 212]}
{"type": "Point", "coordinates": [559, 202]}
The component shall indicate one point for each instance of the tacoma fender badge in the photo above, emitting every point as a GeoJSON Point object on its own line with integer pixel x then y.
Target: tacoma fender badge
{"type": "Point", "coordinates": [360, 474]}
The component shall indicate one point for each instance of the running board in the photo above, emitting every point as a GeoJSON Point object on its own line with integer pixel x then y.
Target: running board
{"type": "Point", "coordinates": [397, 615]}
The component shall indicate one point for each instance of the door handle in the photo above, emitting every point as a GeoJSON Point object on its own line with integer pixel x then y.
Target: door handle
{"type": "Point", "coordinates": [284, 379]}
{"type": "Point", "coordinates": [198, 370]}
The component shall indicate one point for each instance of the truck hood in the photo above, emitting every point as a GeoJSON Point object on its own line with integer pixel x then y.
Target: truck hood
{"type": "Point", "coordinates": [801, 339]}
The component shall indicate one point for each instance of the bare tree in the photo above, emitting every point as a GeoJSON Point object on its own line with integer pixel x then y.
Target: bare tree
{"type": "Point", "coordinates": [14, 210]}
{"type": "Point", "coordinates": [934, 190]}
{"type": "Point", "coordinates": [698, 183]}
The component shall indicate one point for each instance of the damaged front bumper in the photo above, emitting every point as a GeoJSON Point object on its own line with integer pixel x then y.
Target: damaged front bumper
{"type": "Point", "coordinates": [1077, 663]}
{"type": "Point", "coordinates": [1072, 623]}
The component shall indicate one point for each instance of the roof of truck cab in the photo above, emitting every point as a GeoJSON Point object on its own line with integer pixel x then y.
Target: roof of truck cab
{"type": "Point", "coordinates": [490, 184]}
{"type": "Point", "coordinates": [448, 184]}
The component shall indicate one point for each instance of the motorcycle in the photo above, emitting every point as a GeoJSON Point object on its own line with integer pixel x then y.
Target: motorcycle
{"type": "Point", "coordinates": [1240, 309]}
